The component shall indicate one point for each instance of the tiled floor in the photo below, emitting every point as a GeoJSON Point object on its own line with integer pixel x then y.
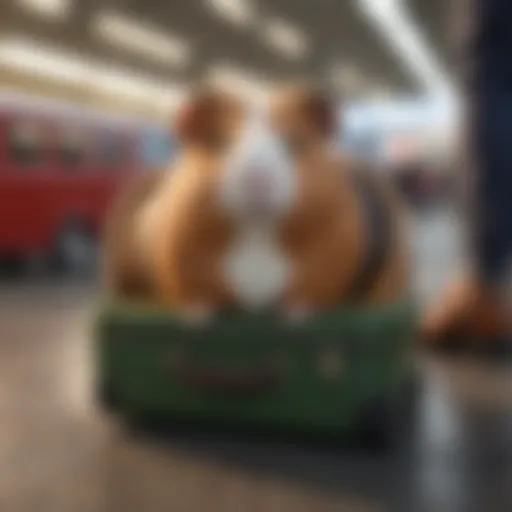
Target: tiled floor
{"type": "Point", "coordinates": [57, 453]}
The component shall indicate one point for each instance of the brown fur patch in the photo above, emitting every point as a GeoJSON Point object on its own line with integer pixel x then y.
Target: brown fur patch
{"type": "Point", "coordinates": [124, 273]}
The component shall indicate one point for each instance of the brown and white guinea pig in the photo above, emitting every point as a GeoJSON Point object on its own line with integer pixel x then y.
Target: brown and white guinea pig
{"type": "Point", "coordinates": [260, 212]}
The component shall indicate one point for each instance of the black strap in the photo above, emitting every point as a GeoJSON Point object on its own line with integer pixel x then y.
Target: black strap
{"type": "Point", "coordinates": [378, 228]}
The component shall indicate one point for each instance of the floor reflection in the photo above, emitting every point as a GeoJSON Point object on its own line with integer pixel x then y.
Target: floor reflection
{"type": "Point", "coordinates": [58, 453]}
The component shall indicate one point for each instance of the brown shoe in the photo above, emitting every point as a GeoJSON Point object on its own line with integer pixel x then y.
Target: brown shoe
{"type": "Point", "coordinates": [468, 312]}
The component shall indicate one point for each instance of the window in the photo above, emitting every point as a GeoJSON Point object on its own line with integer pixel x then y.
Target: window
{"type": "Point", "coordinates": [73, 150]}
{"type": "Point", "coordinates": [26, 143]}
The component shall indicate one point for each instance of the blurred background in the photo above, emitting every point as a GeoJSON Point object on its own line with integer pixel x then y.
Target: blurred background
{"type": "Point", "coordinates": [87, 94]}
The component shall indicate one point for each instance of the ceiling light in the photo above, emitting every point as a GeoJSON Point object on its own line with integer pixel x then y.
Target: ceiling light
{"type": "Point", "coordinates": [29, 56]}
{"type": "Point", "coordinates": [405, 38]}
{"type": "Point", "coordinates": [53, 9]}
{"type": "Point", "coordinates": [237, 12]}
{"type": "Point", "coordinates": [287, 39]}
{"type": "Point", "coordinates": [134, 86]}
{"type": "Point", "coordinates": [33, 58]}
{"type": "Point", "coordinates": [144, 39]}
{"type": "Point", "coordinates": [241, 80]}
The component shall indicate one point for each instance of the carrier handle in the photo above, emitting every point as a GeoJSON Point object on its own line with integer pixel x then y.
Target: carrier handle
{"type": "Point", "coordinates": [230, 382]}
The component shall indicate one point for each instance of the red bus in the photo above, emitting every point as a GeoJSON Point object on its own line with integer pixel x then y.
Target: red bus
{"type": "Point", "coordinates": [59, 170]}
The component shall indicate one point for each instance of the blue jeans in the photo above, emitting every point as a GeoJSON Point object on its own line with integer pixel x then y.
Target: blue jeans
{"type": "Point", "coordinates": [489, 89]}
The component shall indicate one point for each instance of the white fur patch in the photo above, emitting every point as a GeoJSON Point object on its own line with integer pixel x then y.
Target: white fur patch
{"type": "Point", "coordinates": [256, 269]}
{"type": "Point", "coordinates": [260, 152]}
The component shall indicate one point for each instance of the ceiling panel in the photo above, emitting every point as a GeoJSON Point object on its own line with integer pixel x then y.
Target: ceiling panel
{"type": "Point", "coordinates": [336, 29]}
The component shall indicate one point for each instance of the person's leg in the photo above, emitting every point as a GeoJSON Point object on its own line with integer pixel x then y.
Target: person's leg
{"type": "Point", "coordinates": [490, 138]}
{"type": "Point", "coordinates": [475, 307]}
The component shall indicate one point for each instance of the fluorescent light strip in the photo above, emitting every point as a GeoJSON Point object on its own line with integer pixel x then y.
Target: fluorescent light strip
{"type": "Point", "coordinates": [236, 12]}
{"type": "Point", "coordinates": [57, 64]}
{"type": "Point", "coordinates": [141, 38]}
{"type": "Point", "coordinates": [247, 82]}
{"type": "Point", "coordinates": [64, 67]}
{"type": "Point", "coordinates": [134, 86]}
{"type": "Point", "coordinates": [51, 9]}
{"type": "Point", "coordinates": [404, 36]}
{"type": "Point", "coordinates": [286, 38]}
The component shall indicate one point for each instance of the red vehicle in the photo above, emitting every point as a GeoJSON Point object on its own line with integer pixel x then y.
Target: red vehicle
{"type": "Point", "coordinates": [59, 170]}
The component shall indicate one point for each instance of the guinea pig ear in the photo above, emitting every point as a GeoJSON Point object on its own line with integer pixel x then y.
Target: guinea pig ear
{"type": "Point", "coordinates": [197, 119]}
{"type": "Point", "coordinates": [321, 111]}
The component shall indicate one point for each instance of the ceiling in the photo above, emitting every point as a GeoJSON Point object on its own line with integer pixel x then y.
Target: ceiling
{"type": "Point", "coordinates": [437, 21]}
{"type": "Point", "coordinates": [336, 29]}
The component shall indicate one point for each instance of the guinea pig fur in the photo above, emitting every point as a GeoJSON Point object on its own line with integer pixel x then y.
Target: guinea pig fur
{"type": "Point", "coordinates": [125, 267]}
{"type": "Point", "coordinates": [259, 211]}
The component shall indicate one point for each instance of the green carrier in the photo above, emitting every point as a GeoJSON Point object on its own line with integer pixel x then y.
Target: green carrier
{"type": "Point", "coordinates": [341, 372]}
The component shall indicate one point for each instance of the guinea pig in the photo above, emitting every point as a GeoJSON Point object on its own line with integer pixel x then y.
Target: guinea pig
{"type": "Point", "coordinates": [261, 212]}
{"type": "Point", "coordinates": [348, 219]}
